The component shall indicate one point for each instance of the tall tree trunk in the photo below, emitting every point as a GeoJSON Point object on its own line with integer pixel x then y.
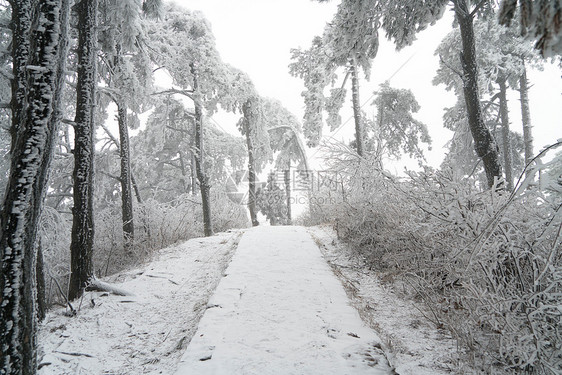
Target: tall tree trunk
{"type": "Point", "coordinates": [40, 277]}
{"type": "Point", "coordinates": [526, 116]}
{"type": "Point", "coordinates": [125, 179]}
{"type": "Point", "coordinates": [506, 137]}
{"type": "Point", "coordinates": [193, 174]}
{"type": "Point", "coordinates": [21, 27]}
{"type": "Point", "coordinates": [288, 193]}
{"type": "Point", "coordinates": [33, 88]}
{"type": "Point", "coordinates": [136, 188]}
{"type": "Point", "coordinates": [82, 238]}
{"type": "Point", "coordinates": [484, 142]}
{"type": "Point", "coordinates": [356, 107]}
{"type": "Point", "coordinates": [203, 179]}
{"type": "Point", "coordinates": [247, 123]}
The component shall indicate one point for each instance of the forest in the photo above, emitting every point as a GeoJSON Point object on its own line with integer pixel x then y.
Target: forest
{"type": "Point", "coordinates": [104, 161]}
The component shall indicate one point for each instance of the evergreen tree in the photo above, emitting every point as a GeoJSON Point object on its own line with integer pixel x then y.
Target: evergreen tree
{"type": "Point", "coordinates": [349, 41]}
{"type": "Point", "coordinates": [37, 61]}
{"type": "Point", "coordinates": [183, 43]}
{"type": "Point", "coordinates": [82, 242]}
{"type": "Point", "coordinates": [395, 130]}
{"type": "Point", "coordinates": [271, 201]}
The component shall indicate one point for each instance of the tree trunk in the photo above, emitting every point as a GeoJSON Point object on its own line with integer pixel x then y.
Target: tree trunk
{"type": "Point", "coordinates": [288, 193]}
{"type": "Point", "coordinates": [34, 67]}
{"type": "Point", "coordinates": [506, 137]}
{"type": "Point", "coordinates": [247, 109]}
{"type": "Point", "coordinates": [203, 179]}
{"type": "Point", "coordinates": [40, 277]}
{"type": "Point", "coordinates": [484, 143]}
{"type": "Point", "coordinates": [193, 175]}
{"type": "Point", "coordinates": [82, 238]}
{"type": "Point", "coordinates": [526, 117]}
{"type": "Point", "coordinates": [21, 26]}
{"type": "Point", "coordinates": [136, 188]}
{"type": "Point", "coordinates": [125, 179]}
{"type": "Point", "coordinates": [356, 108]}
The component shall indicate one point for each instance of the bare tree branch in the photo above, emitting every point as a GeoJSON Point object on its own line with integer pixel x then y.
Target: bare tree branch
{"type": "Point", "coordinates": [450, 67]}
{"type": "Point", "coordinates": [477, 8]}
{"type": "Point", "coordinates": [188, 93]}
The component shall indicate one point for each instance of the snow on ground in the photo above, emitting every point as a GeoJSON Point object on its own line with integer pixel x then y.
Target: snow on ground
{"type": "Point", "coordinates": [413, 345]}
{"type": "Point", "coordinates": [145, 333]}
{"type": "Point", "coordinates": [281, 310]}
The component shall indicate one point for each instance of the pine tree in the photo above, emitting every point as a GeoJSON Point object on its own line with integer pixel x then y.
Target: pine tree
{"type": "Point", "coordinates": [36, 64]}
{"type": "Point", "coordinates": [82, 242]}
{"type": "Point", "coordinates": [395, 130]}
{"type": "Point", "coordinates": [350, 41]}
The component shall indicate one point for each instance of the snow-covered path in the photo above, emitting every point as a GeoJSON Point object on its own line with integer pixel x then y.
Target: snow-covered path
{"type": "Point", "coordinates": [281, 310]}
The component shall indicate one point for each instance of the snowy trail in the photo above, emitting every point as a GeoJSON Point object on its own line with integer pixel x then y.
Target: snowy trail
{"type": "Point", "coordinates": [281, 310]}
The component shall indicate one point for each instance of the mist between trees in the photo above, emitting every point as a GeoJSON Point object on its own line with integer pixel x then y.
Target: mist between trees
{"type": "Point", "coordinates": [476, 242]}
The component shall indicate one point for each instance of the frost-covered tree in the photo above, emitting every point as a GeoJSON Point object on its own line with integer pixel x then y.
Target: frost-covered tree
{"type": "Point", "coordinates": [243, 97]}
{"type": "Point", "coordinates": [271, 201]}
{"type": "Point", "coordinates": [257, 142]}
{"type": "Point", "coordinates": [37, 57]}
{"type": "Point", "coordinates": [311, 66]}
{"type": "Point", "coordinates": [82, 241]}
{"type": "Point", "coordinates": [350, 41]}
{"type": "Point", "coordinates": [127, 72]}
{"type": "Point", "coordinates": [402, 20]}
{"type": "Point", "coordinates": [284, 133]}
{"type": "Point", "coordinates": [5, 95]}
{"type": "Point", "coordinates": [539, 20]}
{"type": "Point", "coordinates": [165, 166]}
{"type": "Point", "coordinates": [395, 130]}
{"type": "Point", "coordinates": [501, 56]}
{"type": "Point", "coordinates": [183, 43]}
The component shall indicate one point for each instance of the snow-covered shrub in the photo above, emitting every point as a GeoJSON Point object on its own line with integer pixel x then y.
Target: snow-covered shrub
{"type": "Point", "coordinates": [54, 238]}
{"type": "Point", "coordinates": [490, 268]}
{"type": "Point", "coordinates": [362, 203]}
{"type": "Point", "coordinates": [225, 213]}
{"type": "Point", "coordinates": [486, 265]}
{"type": "Point", "coordinates": [158, 225]}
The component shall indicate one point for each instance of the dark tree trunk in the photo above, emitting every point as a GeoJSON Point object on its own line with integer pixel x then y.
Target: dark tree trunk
{"type": "Point", "coordinates": [247, 123]}
{"type": "Point", "coordinates": [125, 179]}
{"type": "Point", "coordinates": [54, 124]}
{"type": "Point", "coordinates": [21, 26]}
{"type": "Point", "coordinates": [136, 189]}
{"type": "Point", "coordinates": [484, 143]}
{"type": "Point", "coordinates": [288, 193]}
{"type": "Point", "coordinates": [356, 108]}
{"type": "Point", "coordinates": [193, 174]}
{"type": "Point", "coordinates": [506, 138]}
{"type": "Point", "coordinates": [40, 277]}
{"type": "Point", "coordinates": [203, 179]}
{"type": "Point", "coordinates": [34, 67]}
{"type": "Point", "coordinates": [82, 240]}
{"type": "Point", "coordinates": [526, 116]}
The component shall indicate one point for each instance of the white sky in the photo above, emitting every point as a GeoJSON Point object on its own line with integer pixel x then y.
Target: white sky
{"type": "Point", "coordinates": [256, 36]}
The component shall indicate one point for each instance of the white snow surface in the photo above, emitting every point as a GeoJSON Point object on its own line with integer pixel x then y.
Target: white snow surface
{"type": "Point", "coordinates": [145, 333]}
{"type": "Point", "coordinates": [413, 345]}
{"type": "Point", "coordinates": [280, 310]}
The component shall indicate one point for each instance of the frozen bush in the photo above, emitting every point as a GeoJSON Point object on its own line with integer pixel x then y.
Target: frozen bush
{"type": "Point", "coordinates": [486, 265]}
{"type": "Point", "coordinates": [157, 225]}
